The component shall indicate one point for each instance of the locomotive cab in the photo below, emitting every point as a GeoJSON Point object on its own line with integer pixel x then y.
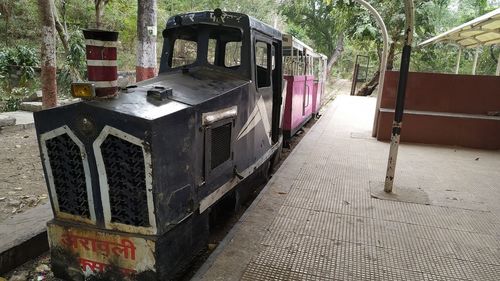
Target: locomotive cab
{"type": "Point", "coordinates": [132, 179]}
{"type": "Point", "coordinates": [232, 43]}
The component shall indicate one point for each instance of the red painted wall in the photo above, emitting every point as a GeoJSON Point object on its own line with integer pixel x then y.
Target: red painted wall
{"type": "Point", "coordinates": [445, 92]}
{"type": "Point", "coordinates": [441, 94]}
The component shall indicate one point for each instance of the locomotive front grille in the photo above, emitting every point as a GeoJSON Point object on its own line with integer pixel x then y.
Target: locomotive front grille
{"type": "Point", "coordinates": [125, 179]}
{"type": "Point", "coordinates": [125, 172]}
{"type": "Point", "coordinates": [68, 175]}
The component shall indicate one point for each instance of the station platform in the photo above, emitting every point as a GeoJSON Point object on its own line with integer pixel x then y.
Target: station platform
{"type": "Point", "coordinates": [316, 219]}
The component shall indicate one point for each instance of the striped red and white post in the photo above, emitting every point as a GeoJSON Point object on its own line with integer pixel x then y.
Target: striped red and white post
{"type": "Point", "coordinates": [146, 40]}
{"type": "Point", "coordinates": [102, 69]}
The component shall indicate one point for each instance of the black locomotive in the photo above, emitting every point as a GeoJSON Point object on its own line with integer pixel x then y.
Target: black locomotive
{"type": "Point", "coordinates": [132, 179]}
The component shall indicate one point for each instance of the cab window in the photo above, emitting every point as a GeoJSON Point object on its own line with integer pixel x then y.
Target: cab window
{"type": "Point", "coordinates": [185, 53]}
{"type": "Point", "coordinates": [262, 64]}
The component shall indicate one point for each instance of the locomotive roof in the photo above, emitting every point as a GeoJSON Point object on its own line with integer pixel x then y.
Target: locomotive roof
{"type": "Point", "coordinates": [227, 19]}
{"type": "Point", "coordinates": [198, 85]}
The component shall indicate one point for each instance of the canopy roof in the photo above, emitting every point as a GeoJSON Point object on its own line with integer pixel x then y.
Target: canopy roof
{"type": "Point", "coordinates": [484, 30]}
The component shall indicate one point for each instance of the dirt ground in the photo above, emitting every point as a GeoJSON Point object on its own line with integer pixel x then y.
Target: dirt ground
{"type": "Point", "coordinates": [22, 184]}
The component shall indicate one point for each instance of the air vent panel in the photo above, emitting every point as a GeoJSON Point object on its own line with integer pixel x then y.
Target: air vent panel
{"type": "Point", "coordinates": [220, 145]}
{"type": "Point", "coordinates": [69, 175]}
{"type": "Point", "coordinates": [125, 173]}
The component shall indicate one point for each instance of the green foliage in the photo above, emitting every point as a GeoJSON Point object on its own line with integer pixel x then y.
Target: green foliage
{"type": "Point", "coordinates": [318, 22]}
{"type": "Point", "coordinates": [12, 103]}
{"type": "Point", "coordinates": [363, 36]}
{"type": "Point", "coordinates": [14, 98]}
{"type": "Point", "coordinates": [75, 60]}
{"type": "Point", "coordinates": [20, 59]}
{"type": "Point", "coordinates": [76, 56]}
{"type": "Point", "coordinates": [17, 75]}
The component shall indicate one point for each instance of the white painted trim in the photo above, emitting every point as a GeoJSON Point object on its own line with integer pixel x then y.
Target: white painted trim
{"type": "Point", "coordinates": [259, 113]}
{"type": "Point", "coordinates": [212, 117]}
{"type": "Point", "coordinates": [283, 102]}
{"type": "Point", "coordinates": [445, 114]}
{"type": "Point", "coordinates": [102, 63]}
{"type": "Point", "coordinates": [265, 118]}
{"type": "Point", "coordinates": [103, 181]}
{"type": "Point", "coordinates": [99, 43]}
{"type": "Point", "coordinates": [88, 182]}
{"type": "Point", "coordinates": [252, 121]}
{"type": "Point", "coordinates": [104, 84]}
{"type": "Point", "coordinates": [213, 197]}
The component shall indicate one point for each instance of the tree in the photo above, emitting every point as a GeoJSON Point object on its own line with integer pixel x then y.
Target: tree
{"type": "Point", "coordinates": [48, 53]}
{"type": "Point", "coordinates": [146, 43]}
{"type": "Point", "coordinates": [325, 24]}
{"type": "Point", "coordinates": [62, 31]}
{"type": "Point", "coordinates": [394, 18]}
{"type": "Point", "coordinates": [99, 11]}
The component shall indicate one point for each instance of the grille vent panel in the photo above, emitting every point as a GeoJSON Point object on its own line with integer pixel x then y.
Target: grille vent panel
{"type": "Point", "coordinates": [125, 171]}
{"type": "Point", "coordinates": [220, 145]}
{"type": "Point", "coordinates": [69, 175]}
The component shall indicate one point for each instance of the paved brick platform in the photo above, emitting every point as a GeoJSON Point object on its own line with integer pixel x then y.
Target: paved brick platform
{"type": "Point", "coordinates": [316, 220]}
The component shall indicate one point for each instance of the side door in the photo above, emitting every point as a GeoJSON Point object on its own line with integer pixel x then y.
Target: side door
{"type": "Point", "coordinates": [265, 82]}
{"type": "Point", "coordinates": [278, 89]}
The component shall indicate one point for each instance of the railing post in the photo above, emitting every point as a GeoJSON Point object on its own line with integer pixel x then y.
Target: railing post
{"type": "Point", "coordinates": [498, 66]}
{"type": "Point", "coordinates": [457, 67]}
{"type": "Point", "coordinates": [474, 65]}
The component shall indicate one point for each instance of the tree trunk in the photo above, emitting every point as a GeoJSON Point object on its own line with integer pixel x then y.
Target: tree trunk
{"type": "Point", "coordinates": [62, 32]}
{"type": "Point", "coordinates": [48, 53]}
{"type": "Point", "coordinates": [146, 43]}
{"type": "Point", "coordinates": [99, 12]}
{"type": "Point", "coordinates": [336, 53]}
{"type": "Point", "coordinates": [390, 56]}
{"type": "Point", "coordinates": [368, 88]}
{"type": "Point", "coordinates": [63, 35]}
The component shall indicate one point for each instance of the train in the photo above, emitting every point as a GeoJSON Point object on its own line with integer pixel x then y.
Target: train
{"type": "Point", "coordinates": [135, 174]}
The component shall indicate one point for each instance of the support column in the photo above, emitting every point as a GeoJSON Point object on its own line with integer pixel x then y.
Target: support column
{"type": "Point", "coordinates": [498, 66]}
{"type": "Point", "coordinates": [457, 67]}
{"type": "Point", "coordinates": [400, 99]}
{"type": "Point", "coordinates": [146, 44]}
{"type": "Point", "coordinates": [474, 64]}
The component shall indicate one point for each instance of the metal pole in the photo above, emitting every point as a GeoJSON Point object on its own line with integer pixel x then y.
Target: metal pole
{"type": "Point", "coordinates": [355, 76]}
{"type": "Point", "coordinates": [457, 67]}
{"type": "Point", "coordinates": [400, 100]}
{"type": "Point", "coordinates": [498, 66]}
{"type": "Point", "coordinates": [383, 61]}
{"type": "Point", "coordinates": [474, 65]}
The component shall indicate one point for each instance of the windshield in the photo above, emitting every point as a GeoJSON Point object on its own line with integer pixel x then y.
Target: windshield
{"type": "Point", "coordinates": [204, 45]}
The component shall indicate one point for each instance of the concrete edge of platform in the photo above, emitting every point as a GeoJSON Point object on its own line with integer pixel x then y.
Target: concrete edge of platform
{"type": "Point", "coordinates": [22, 120]}
{"type": "Point", "coordinates": [211, 260]}
{"type": "Point", "coordinates": [18, 127]}
{"type": "Point", "coordinates": [24, 237]}
{"type": "Point", "coordinates": [231, 234]}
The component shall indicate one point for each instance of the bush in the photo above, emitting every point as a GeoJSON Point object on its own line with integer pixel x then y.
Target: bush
{"type": "Point", "coordinates": [13, 99]}
{"type": "Point", "coordinates": [22, 58]}
{"type": "Point", "coordinates": [12, 103]}
{"type": "Point", "coordinates": [74, 61]}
